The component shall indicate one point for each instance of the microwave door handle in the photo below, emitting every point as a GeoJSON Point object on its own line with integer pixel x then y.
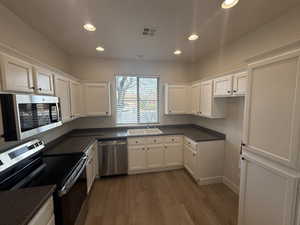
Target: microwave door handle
{"type": "Point", "coordinates": [58, 112]}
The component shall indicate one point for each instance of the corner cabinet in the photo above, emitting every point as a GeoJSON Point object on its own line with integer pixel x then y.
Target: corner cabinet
{"type": "Point", "coordinates": [43, 80]}
{"type": "Point", "coordinates": [209, 106]}
{"type": "Point", "coordinates": [97, 100]}
{"type": "Point", "coordinates": [176, 99]}
{"type": "Point", "coordinates": [16, 75]}
{"type": "Point", "coordinates": [223, 86]}
{"type": "Point", "coordinates": [62, 90]}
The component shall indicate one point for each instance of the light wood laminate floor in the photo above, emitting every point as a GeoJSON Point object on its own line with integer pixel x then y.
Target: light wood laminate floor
{"type": "Point", "coordinates": [166, 198]}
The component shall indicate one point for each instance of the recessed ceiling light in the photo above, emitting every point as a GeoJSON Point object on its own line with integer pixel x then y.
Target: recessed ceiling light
{"type": "Point", "coordinates": [193, 37]}
{"type": "Point", "coordinates": [229, 3]}
{"type": "Point", "coordinates": [89, 27]}
{"type": "Point", "coordinates": [100, 49]}
{"type": "Point", "coordinates": [177, 52]}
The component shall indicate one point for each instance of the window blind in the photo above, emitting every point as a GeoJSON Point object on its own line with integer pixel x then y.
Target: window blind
{"type": "Point", "coordinates": [137, 99]}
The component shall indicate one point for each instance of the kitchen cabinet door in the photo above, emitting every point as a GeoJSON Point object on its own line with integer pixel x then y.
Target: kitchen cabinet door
{"type": "Point", "coordinates": [155, 156]}
{"type": "Point", "coordinates": [206, 98]}
{"type": "Point", "coordinates": [195, 99]}
{"type": "Point", "coordinates": [16, 75]}
{"type": "Point", "coordinates": [223, 86]}
{"type": "Point", "coordinates": [90, 174]}
{"type": "Point", "coordinates": [137, 157]}
{"type": "Point", "coordinates": [190, 160]}
{"type": "Point", "coordinates": [173, 154]}
{"type": "Point", "coordinates": [240, 84]}
{"type": "Point", "coordinates": [175, 99]}
{"type": "Point", "coordinates": [43, 81]}
{"type": "Point", "coordinates": [272, 118]}
{"type": "Point", "coordinates": [76, 98]}
{"type": "Point", "coordinates": [267, 194]}
{"type": "Point", "coordinates": [97, 99]}
{"type": "Point", "coordinates": [62, 90]}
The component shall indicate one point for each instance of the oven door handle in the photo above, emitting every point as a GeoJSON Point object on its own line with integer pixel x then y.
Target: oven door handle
{"type": "Point", "coordinates": [73, 178]}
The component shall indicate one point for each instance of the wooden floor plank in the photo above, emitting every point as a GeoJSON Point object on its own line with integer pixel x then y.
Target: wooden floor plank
{"type": "Point", "coordinates": [166, 198]}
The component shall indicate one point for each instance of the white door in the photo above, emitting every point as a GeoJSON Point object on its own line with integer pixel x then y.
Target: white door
{"type": "Point", "coordinates": [16, 75]}
{"type": "Point", "coordinates": [206, 98]}
{"type": "Point", "coordinates": [43, 81]}
{"type": "Point", "coordinates": [97, 99]}
{"type": "Point", "coordinates": [62, 90]}
{"type": "Point", "coordinates": [223, 86]}
{"type": "Point", "coordinates": [267, 194]}
{"type": "Point", "coordinates": [76, 98]}
{"type": "Point", "coordinates": [272, 122]}
{"type": "Point", "coordinates": [190, 160]}
{"type": "Point", "coordinates": [195, 99]}
{"type": "Point", "coordinates": [173, 154]}
{"type": "Point", "coordinates": [176, 99]}
{"type": "Point", "coordinates": [155, 156]}
{"type": "Point", "coordinates": [137, 157]}
{"type": "Point", "coordinates": [240, 84]}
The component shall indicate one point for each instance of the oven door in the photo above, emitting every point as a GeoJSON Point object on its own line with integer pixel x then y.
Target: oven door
{"type": "Point", "coordinates": [36, 114]}
{"type": "Point", "coordinates": [70, 200]}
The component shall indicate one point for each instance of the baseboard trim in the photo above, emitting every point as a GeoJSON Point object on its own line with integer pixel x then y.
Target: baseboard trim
{"type": "Point", "coordinates": [210, 180]}
{"type": "Point", "coordinates": [154, 170]}
{"type": "Point", "coordinates": [231, 185]}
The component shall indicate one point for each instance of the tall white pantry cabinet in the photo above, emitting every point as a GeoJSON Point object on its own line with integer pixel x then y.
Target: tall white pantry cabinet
{"type": "Point", "coordinates": [270, 165]}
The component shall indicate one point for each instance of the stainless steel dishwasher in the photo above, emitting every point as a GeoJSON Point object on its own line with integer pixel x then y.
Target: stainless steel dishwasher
{"type": "Point", "coordinates": [113, 158]}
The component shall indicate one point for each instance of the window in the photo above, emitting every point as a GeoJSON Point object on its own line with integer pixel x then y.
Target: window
{"type": "Point", "coordinates": [137, 99]}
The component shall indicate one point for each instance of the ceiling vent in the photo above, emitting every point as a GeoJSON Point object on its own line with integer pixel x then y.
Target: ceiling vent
{"type": "Point", "coordinates": [149, 31]}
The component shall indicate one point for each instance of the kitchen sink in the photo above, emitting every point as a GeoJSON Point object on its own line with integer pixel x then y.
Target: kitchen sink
{"type": "Point", "coordinates": [147, 131]}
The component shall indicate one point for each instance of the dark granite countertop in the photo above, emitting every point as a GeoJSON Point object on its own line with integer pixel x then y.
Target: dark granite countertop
{"type": "Point", "coordinates": [81, 139]}
{"type": "Point", "coordinates": [67, 144]}
{"type": "Point", "coordinates": [19, 206]}
{"type": "Point", "coordinates": [196, 133]}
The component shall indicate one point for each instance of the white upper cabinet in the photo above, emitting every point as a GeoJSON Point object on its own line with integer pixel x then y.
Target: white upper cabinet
{"type": "Point", "coordinates": [223, 86]}
{"type": "Point", "coordinates": [43, 81]}
{"type": "Point", "coordinates": [195, 99]}
{"type": "Point", "coordinates": [210, 107]}
{"type": "Point", "coordinates": [231, 85]}
{"type": "Point", "coordinates": [240, 84]}
{"type": "Point", "coordinates": [97, 99]}
{"type": "Point", "coordinates": [176, 99]}
{"type": "Point", "coordinates": [76, 98]}
{"type": "Point", "coordinates": [272, 118]}
{"type": "Point", "coordinates": [16, 75]}
{"type": "Point", "coordinates": [62, 90]}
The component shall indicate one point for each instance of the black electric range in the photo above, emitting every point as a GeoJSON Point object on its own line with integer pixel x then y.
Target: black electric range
{"type": "Point", "coordinates": [27, 166]}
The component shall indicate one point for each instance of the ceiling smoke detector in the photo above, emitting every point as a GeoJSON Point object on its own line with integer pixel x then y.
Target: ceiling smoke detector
{"type": "Point", "coordinates": [149, 31]}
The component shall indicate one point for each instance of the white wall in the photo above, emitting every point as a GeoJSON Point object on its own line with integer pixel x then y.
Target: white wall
{"type": "Point", "coordinates": [105, 70]}
{"type": "Point", "coordinates": [18, 37]}
{"type": "Point", "coordinates": [282, 31]}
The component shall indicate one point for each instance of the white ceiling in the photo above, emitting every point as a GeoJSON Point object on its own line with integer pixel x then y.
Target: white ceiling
{"type": "Point", "coordinates": [120, 24]}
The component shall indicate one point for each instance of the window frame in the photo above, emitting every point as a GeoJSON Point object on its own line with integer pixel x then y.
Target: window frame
{"type": "Point", "coordinates": [138, 99]}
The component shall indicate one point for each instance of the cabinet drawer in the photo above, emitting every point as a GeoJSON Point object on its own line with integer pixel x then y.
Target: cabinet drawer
{"type": "Point", "coordinates": [173, 139]}
{"type": "Point", "coordinates": [136, 141]}
{"type": "Point", "coordinates": [192, 144]}
{"type": "Point", "coordinates": [154, 140]}
{"type": "Point", "coordinates": [44, 215]}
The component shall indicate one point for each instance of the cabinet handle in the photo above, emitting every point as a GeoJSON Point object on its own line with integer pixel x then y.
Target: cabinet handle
{"type": "Point", "coordinates": [40, 89]}
{"type": "Point", "coordinates": [234, 91]}
{"type": "Point", "coordinates": [106, 113]}
{"type": "Point", "coordinates": [228, 92]}
{"type": "Point", "coordinates": [32, 88]}
{"type": "Point", "coordinates": [243, 158]}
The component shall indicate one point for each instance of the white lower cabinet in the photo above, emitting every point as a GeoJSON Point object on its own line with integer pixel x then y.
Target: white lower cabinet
{"type": "Point", "coordinates": [190, 160]}
{"type": "Point", "coordinates": [45, 216]}
{"type": "Point", "coordinates": [92, 166]}
{"type": "Point", "coordinates": [137, 157]}
{"type": "Point", "coordinates": [155, 156]}
{"type": "Point", "coordinates": [151, 153]}
{"type": "Point", "coordinates": [268, 193]}
{"type": "Point", "coordinates": [173, 154]}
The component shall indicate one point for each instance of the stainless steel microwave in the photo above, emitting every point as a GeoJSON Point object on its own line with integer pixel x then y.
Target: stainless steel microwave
{"type": "Point", "coordinates": [27, 115]}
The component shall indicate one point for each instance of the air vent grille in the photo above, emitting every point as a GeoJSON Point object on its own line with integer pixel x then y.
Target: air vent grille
{"type": "Point", "coordinates": [149, 31]}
